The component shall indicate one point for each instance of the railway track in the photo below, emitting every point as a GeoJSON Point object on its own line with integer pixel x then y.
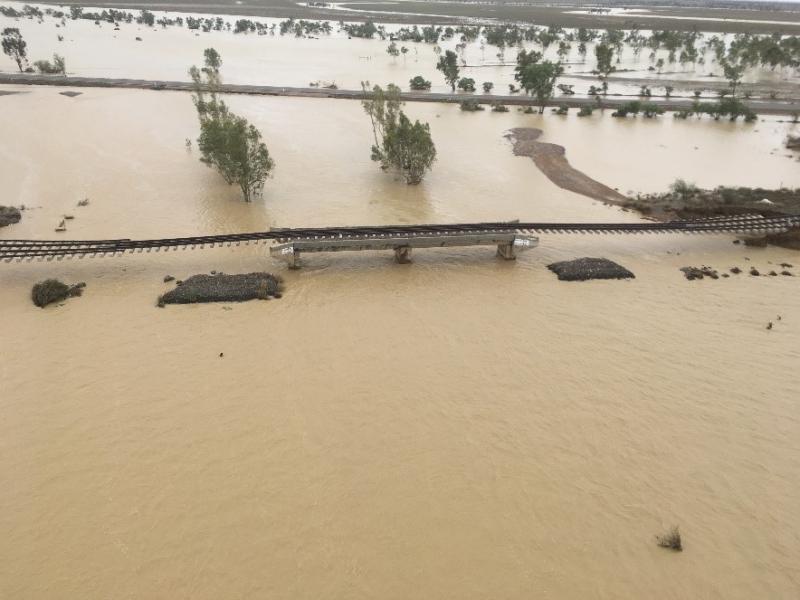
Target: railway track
{"type": "Point", "coordinates": [11, 250]}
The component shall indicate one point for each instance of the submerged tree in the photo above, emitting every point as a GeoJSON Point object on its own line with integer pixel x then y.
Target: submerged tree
{"type": "Point", "coordinates": [228, 142]}
{"type": "Point", "coordinates": [733, 73]}
{"type": "Point", "coordinates": [15, 47]}
{"type": "Point", "coordinates": [57, 67]}
{"type": "Point", "coordinates": [399, 144]}
{"type": "Point", "coordinates": [448, 65]}
{"type": "Point", "coordinates": [392, 50]}
{"type": "Point", "coordinates": [605, 63]}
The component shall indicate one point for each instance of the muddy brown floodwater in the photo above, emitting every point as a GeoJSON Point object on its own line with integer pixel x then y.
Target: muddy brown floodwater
{"type": "Point", "coordinates": [458, 427]}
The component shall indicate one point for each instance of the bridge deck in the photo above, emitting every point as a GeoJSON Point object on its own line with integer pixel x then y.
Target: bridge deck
{"type": "Point", "coordinates": [507, 244]}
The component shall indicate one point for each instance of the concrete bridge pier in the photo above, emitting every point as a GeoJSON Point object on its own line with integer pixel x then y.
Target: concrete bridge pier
{"type": "Point", "coordinates": [402, 255]}
{"type": "Point", "coordinates": [506, 251]}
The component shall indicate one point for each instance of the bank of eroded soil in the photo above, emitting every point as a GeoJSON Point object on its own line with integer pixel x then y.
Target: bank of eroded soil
{"type": "Point", "coordinates": [552, 161]}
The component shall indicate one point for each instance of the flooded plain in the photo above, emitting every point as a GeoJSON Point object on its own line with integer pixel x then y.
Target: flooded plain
{"type": "Point", "coordinates": [457, 427]}
{"type": "Point", "coordinates": [98, 50]}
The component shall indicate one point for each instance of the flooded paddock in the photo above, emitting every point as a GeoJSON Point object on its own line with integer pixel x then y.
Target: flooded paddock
{"type": "Point", "coordinates": [101, 50]}
{"type": "Point", "coordinates": [460, 426]}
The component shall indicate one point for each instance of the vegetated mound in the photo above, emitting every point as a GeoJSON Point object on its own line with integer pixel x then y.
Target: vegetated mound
{"type": "Point", "coordinates": [552, 161]}
{"type": "Point", "coordinates": [224, 288]}
{"type": "Point", "coordinates": [9, 215]}
{"type": "Point", "coordinates": [685, 201]}
{"type": "Point", "coordinates": [52, 290]}
{"type": "Point", "coordinates": [583, 269]}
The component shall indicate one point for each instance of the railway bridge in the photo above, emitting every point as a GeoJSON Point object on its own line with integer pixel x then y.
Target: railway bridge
{"type": "Point", "coordinates": [509, 237]}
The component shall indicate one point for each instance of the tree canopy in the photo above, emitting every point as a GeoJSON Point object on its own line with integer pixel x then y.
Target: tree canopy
{"type": "Point", "coordinates": [15, 47]}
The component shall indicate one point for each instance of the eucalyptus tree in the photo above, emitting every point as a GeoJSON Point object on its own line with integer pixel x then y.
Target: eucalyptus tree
{"type": "Point", "coordinates": [399, 144]}
{"type": "Point", "coordinates": [605, 63]}
{"type": "Point", "coordinates": [227, 142]}
{"type": "Point", "coordinates": [539, 80]}
{"type": "Point", "coordinates": [448, 65]}
{"type": "Point", "coordinates": [15, 47]}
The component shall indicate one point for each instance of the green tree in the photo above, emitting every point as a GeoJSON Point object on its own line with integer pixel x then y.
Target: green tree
{"type": "Point", "coordinates": [227, 141]}
{"type": "Point", "coordinates": [419, 83]}
{"type": "Point", "coordinates": [212, 59]}
{"type": "Point", "coordinates": [604, 54]}
{"type": "Point", "coordinates": [15, 47]}
{"type": "Point", "coordinates": [466, 84]}
{"type": "Point", "coordinates": [733, 73]}
{"type": "Point", "coordinates": [58, 66]}
{"type": "Point", "coordinates": [399, 144]}
{"type": "Point", "coordinates": [539, 79]}
{"type": "Point", "coordinates": [487, 87]}
{"type": "Point", "coordinates": [146, 17]}
{"type": "Point", "coordinates": [448, 65]}
{"type": "Point", "coordinates": [392, 50]}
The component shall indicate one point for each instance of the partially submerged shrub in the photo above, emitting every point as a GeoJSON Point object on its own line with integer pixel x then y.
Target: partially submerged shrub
{"type": "Point", "coordinates": [419, 83]}
{"type": "Point", "coordinates": [671, 539]}
{"type": "Point", "coordinates": [52, 290]}
{"type": "Point", "coordinates": [561, 110]}
{"type": "Point", "coordinates": [499, 108]}
{"type": "Point", "coordinates": [57, 67]}
{"type": "Point", "coordinates": [466, 84]}
{"type": "Point", "coordinates": [585, 111]}
{"type": "Point", "coordinates": [470, 105]}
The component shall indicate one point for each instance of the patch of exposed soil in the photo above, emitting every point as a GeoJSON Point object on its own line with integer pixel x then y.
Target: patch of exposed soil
{"type": "Point", "coordinates": [552, 161]}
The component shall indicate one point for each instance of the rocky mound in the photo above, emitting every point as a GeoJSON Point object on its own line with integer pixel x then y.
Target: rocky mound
{"type": "Point", "coordinates": [692, 273]}
{"type": "Point", "coordinates": [583, 269]}
{"type": "Point", "coordinates": [9, 215]}
{"type": "Point", "coordinates": [52, 290]}
{"type": "Point", "coordinates": [223, 288]}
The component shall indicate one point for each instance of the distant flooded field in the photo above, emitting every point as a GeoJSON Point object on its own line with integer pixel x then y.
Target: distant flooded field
{"type": "Point", "coordinates": [101, 50]}
{"type": "Point", "coordinates": [460, 426]}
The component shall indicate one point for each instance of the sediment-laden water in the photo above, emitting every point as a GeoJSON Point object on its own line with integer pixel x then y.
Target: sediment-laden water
{"type": "Point", "coordinates": [458, 427]}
